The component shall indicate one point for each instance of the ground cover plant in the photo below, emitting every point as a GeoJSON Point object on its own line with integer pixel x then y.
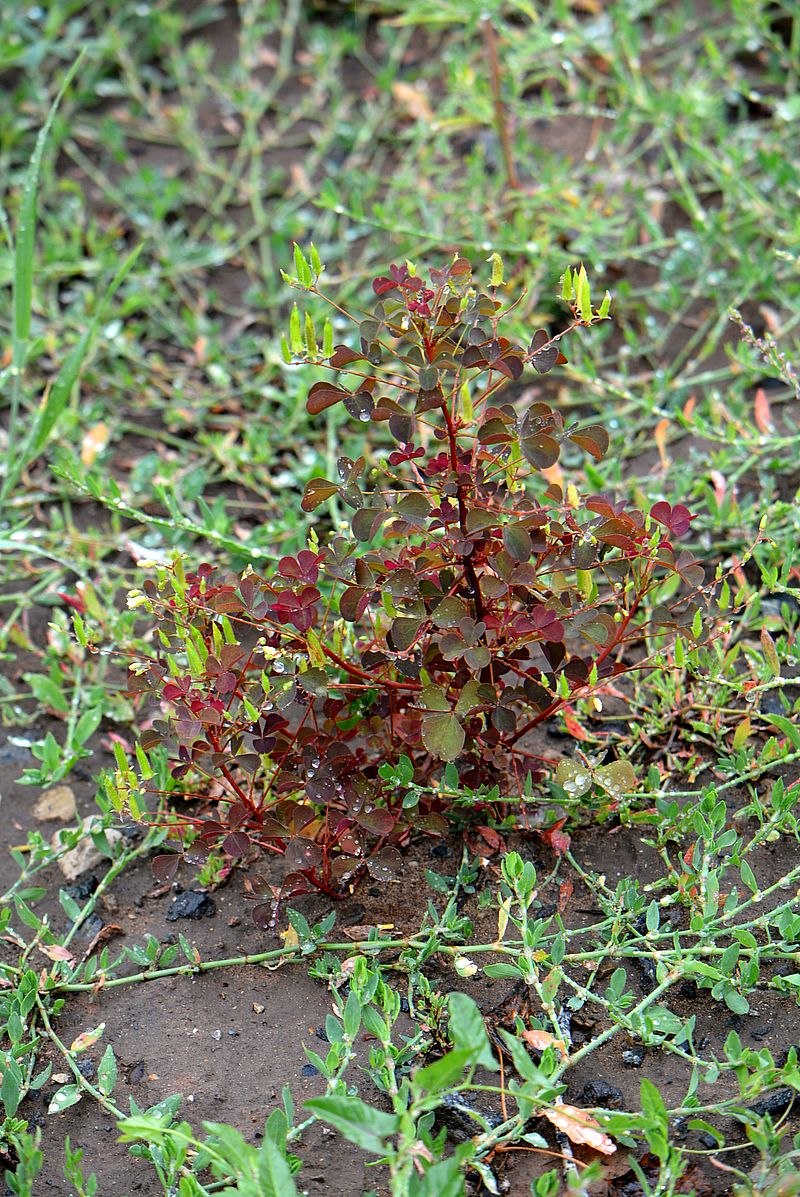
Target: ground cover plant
{"type": "Point", "coordinates": [544, 938]}
{"type": "Point", "coordinates": [497, 608]}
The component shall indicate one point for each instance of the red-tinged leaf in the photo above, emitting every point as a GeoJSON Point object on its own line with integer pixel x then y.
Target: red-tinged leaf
{"type": "Point", "coordinates": [517, 541]}
{"type": "Point", "coordinates": [580, 1128]}
{"type": "Point", "coordinates": [263, 915]}
{"type": "Point", "coordinates": [574, 728]}
{"type": "Point", "coordinates": [510, 365]}
{"type": "Point", "coordinates": [541, 450]}
{"type": "Point", "coordinates": [322, 395]}
{"type": "Point", "coordinates": [492, 838]}
{"type": "Point", "coordinates": [558, 840]}
{"type": "Point", "coordinates": [564, 895]}
{"type": "Point", "coordinates": [343, 355]}
{"type": "Point", "coordinates": [543, 355]}
{"type": "Point", "coordinates": [318, 490]}
{"type": "Point", "coordinates": [593, 439]}
{"type": "Point", "coordinates": [367, 520]}
{"type": "Point", "coordinates": [385, 865]}
{"type": "Point", "coordinates": [379, 822]}
{"type": "Point", "coordinates": [361, 405]}
{"type": "Point", "coordinates": [353, 603]}
{"type": "Point", "coordinates": [236, 844]}
{"type": "Point", "coordinates": [761, 412]}
{"type": "Point", "coordinates": [165, 867]}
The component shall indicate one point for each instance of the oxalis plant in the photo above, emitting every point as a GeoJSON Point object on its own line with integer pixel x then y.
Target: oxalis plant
{"type": "Point", "coordinates": [397, 666]}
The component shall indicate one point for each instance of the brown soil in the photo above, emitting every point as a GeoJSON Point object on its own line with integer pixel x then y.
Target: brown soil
{"type": "Point", "coordinates": [208, 1039]}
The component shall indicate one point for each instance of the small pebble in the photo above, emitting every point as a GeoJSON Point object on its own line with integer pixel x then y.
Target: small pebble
{"type": "Point", "coordinates": [82, 890]}
{"type": "Point", "coordinates": [190, 905]}
{"type": "Point", "coordinates": [600, 1093]}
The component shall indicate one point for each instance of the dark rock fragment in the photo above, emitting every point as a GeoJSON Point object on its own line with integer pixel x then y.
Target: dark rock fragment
{"type": "Point", "coordinates": [191, 905]}
{"type": "Point", "coordinates": [600, 1093]}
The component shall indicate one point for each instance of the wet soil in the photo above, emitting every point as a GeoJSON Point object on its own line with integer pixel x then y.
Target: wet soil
{"type": "Point", "coordinates": [230, 1039]}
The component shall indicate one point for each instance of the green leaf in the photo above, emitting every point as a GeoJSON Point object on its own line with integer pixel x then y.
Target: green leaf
{"type": "Point", "coordinates": [444, 1178]}
{"type": "Point", "coordinates": [443, 736]}
{"type": "Point", "coordinates": [652, 918]}
{"type": "Point", "coordinates": [748, 877]}
{"type": "Point", "coordinates": [11, 1085]}
{"type": "Point", "coordinates": [63, 1098]}
{"type": "Point", "coordinates": [468, 1030]}
{"type": "Point", "coordinates": [443, 1073]}
{"type": "Point", "coordinates": [617, 779]}
{"type": "Point", "coordinates": [274, 1173]}
{"type": "Point", "coordinates": [573, 777]}
{"type": "Point", "coordinates": [736, 1002]}
{"type": "Point", "coordinates": [652, 1102]}
{"type": "Point", "coordinates": [361, 1124]}
{"type": "Point", "coordinates": [26, 229]}
{"type": "Point", "coordinates": [107, 1072]}
{"type": "Point", "coordinates": [47, 692]}
{"type": "Point", "coordinates": [352, 1012]}
{"type": "Point", "coordinates": [88, 724]}
{"type": "Point", "coordinates": [789, 728]}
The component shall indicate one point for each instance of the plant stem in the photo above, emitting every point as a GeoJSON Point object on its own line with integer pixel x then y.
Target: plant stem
{"type": "Point", "coordinates": [500, 112]}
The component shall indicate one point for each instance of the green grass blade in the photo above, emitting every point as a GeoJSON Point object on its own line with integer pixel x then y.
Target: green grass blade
{"type": "Point", "coordinates": [26, 230]}
{"type": "Point", "coordinates": [57, 396]}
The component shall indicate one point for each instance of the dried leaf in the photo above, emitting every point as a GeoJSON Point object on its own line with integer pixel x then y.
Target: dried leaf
{"type": "Point", "coordinates": [413, 99]}
{"type": "Point", "coordinates": [580, 1128]}
{"type": "Point", "coordinates": [56, 952]}
{"type": "Point", "coordinates": [361, 930]}
{"type": "Point", "coordinates": [94, 442]}
{"type": "Point", "coordinates": [539, 1040]}
{"type": "Point", "coordinates": [86, 1039]}
{"type": "Point", "coordinates": [761, 412]}
{"type": "Point", "coordinates": [660, 435]}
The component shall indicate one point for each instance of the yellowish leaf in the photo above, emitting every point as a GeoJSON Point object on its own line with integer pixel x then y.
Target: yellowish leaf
{"type": "Point", "coordinates": [290, 938]}
{"type": "Point", "coordinates": [539, 1040]}
{"type": "Point", "coordinates": [86, 1039]}
{"type": "Point", "coordinates": [580, 1128]}
{"type": "Point", "coordinates": [660, 435]}
{"type": "Point", "coordinates": [94, 443]}
{"type": "Point", "coordinates": [413, 99]}
{"type": "Point", "coordinates": [56, 952]}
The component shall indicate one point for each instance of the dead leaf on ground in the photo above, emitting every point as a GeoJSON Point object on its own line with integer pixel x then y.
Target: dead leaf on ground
{"type": "Point", "coordinates": [413, 99]}
{"type": "Point", "coordinates": [542, 1039]}
{"type": "Point", "coordinates": [55, 804]}
{"type": "Point", "coordinates": [56, 952]}
{"type": "Point", "coordinates": [580, 1128]}
{"type": "Point", "coordinates": [102, 937]}
{"type": "Point", "coordinates": [94, 442]}
{"type": "Point", "coordinates": [362, 930]}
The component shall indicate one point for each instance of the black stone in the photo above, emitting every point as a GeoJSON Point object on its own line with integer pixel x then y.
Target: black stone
{"type": "Point", "coordinates": [191, 905]}
{"type": "Point", "coordinates": [81, 891]}
{"type": "Point", "coordinates": [600, 1093]}
{"type": "Point", "coordinates": [774, 1103]}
